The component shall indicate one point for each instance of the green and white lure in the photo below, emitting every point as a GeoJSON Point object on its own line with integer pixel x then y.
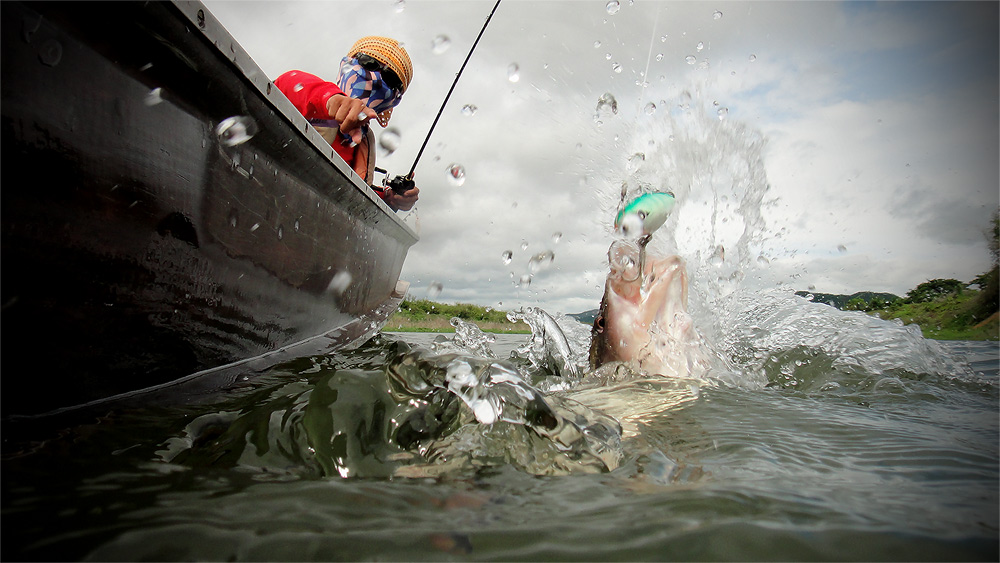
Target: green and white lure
{"type": "Point", "coordinates": [644, 214]}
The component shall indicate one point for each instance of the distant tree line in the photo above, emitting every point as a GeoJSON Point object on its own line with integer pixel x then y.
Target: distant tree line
{"type": "Point", "coordinates": [987, 301]}
{"type": "Point", "coordinates": [416, 309]}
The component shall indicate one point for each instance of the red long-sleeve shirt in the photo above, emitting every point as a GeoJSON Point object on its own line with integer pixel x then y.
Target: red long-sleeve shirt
{"type": "Point", "coordinates": [309, 94]}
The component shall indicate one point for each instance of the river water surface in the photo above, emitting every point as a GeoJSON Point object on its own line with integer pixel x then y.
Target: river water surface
{"type": "Point", "coordinates": [801, 452]}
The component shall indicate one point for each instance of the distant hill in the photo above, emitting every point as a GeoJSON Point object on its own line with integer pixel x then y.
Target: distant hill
{"type": "Point", "coordinates": [838, 301]}
{"type": "Point", "coordinates": [586, 317]}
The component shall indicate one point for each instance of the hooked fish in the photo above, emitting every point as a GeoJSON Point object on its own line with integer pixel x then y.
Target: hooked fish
{"type": "Point", "coordinates": [646, 213]}
{"type": "Point", "coordinates": [643, 317]}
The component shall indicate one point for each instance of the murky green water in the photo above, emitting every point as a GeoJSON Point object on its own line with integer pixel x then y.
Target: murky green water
{"type": "Point", "coordinates": [825, 460]}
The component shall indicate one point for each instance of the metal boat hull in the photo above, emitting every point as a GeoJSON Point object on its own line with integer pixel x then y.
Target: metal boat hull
{"type": "Point", "coordinates": [139, 246]}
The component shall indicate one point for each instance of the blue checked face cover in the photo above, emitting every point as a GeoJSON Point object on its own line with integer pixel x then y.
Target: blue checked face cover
{"type": "Point", "coordinates": [362, 84]}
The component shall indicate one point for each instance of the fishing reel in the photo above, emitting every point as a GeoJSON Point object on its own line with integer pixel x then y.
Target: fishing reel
{"type": "Point", "coordinates": [400, 184]}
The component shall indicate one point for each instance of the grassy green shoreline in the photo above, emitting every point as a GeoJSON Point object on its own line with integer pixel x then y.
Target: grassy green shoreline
{"type": "Point", "coordinates": [422, 315]}
{"type": "Point", "coordinates": [941, 319]}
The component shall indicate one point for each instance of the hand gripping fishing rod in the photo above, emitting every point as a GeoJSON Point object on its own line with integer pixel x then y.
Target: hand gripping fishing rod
{"type": "Point", "coordinates": [400, 184]}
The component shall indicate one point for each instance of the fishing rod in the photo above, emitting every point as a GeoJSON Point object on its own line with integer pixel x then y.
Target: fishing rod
{"type": "Point", "coordinates": [400, 184]}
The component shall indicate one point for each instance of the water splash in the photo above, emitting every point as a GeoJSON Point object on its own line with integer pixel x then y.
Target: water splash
{"type": "Point", "coordinates": [741, 301]}
{"type": "Point", "coordinates": [470, 337]}
{"type": "Point", "coordinates": [549, 349]}
{"type": "Point", "coordinates": [496, 393]}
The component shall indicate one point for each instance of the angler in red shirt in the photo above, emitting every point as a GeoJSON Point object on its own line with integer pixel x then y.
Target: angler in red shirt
{"type": "Point", "coordinates": [372, 79]}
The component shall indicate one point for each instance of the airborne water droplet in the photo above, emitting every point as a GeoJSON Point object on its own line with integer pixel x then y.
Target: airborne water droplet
{"type": "Point", "coordinates": [340, 282]}
{"type": "Point", "coordinates": [236, 130]}
{"type": "Point", "coordinates": [763, 261]}
{"type": "Point", "coordinates": [659, 56]}
{"type": "Point", "coordinates": [556, 237]}
{"type": "Point", "coordinates": [690, 59]}
{"type": "Point", "coordinates": [400, 5]}
{"type": "Point", "coordinates": [635, 161]}
{"type": "Point", "coordinates": [753, 58]}
{"type": "Point", "coordinates": [723, 112]}
{"type": "Point", "coordinates": [541, 261]}
{"type": "Point", "coordinates": [717, 15]}
{"type": "Point", "coordinates": [507, 256]}
{"type": "Point", "coordinates": [841, 248]}
{"type": "Point", "coordinates": [456, 174]}
{"type": "Point", "coordinates": [597, 44]}
{"type": "Point", "coordinates": [700, 46]}
{"type": "Point", "coordinates": [616, 67]}
{"type": "Point", "coordinates": [298, 87]}
{"type": "Point", "coordinates": [525, 280]}
{"type": "Point", "coordinates": [440, 44]}
{"type": "Point", "coordinates": [718, 256]}
{"type": "Point", "coordinates": [389, 140]}
{"type": "Point", "coordinates": [613, 7]}
{"type": "Point", "coordinates": [154, 97]}
{"type": "Point", "coordinates": [434, 289]}
{"type": "Point", "coordinates": [50, 52]}
{"type": "Point", "coordinates": [468, 110]}
{"type": "Point", "coordinates": [513, 72]}
{"type": "Point", "coordinates": [607, 103]}
{"type": "Point", "coordinates": [524, 245]}
{"type": "Point", "coordinates": [650, 108]}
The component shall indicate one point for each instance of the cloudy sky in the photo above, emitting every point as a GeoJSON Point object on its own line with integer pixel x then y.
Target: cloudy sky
{"type": "Point", "coordinates": [838, 146]}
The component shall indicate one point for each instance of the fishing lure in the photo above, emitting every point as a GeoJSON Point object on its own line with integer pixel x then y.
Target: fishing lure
{"type": "Point", "coordinates": [645, 213]}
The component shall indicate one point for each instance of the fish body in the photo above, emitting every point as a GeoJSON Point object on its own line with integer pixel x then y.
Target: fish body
{"type": "Point", "coordinates": [645, 214]}
{"type": "Point", "coordinates": [643, 317]}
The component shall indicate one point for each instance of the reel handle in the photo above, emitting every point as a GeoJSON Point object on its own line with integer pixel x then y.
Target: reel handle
{"type": "Point", "coordinates": [401, 184]}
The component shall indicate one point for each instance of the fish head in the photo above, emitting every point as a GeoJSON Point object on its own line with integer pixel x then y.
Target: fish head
{"type": "Point", "coordinates": [643, 316]}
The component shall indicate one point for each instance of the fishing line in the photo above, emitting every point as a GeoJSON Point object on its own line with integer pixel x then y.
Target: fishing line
{"type": "Point", "coordinates": [645, 73]}
{"type": "Point", "coordinates": [644, 240]}
{"type": "Point", "coordinates": [400, 181]}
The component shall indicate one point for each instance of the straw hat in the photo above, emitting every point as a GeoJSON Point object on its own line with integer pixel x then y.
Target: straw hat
{"type": "Point", "coordinates": [388, 52]}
